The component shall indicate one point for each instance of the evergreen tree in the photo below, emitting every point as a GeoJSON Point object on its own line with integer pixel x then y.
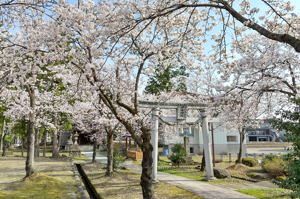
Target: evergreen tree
{"type": "Point", "coordinates": [167, 79]}
{"type": "Point", "coordinates": [290, 122]}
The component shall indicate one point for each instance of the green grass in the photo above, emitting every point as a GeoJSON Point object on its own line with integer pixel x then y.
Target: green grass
{"type": "Point", "coordinates": [82, 157]}
{"type": "Point", "coordinates": [185, 172]}
{"type": "Point", "coordinates": [54, 178]}
{"type": "Point", "coordinates": [48, 154]}
{"type": "Point", "coordinates": [268, 193]}
{"type": "Point", "coordinates": [39, 186]}
{"type": "Point", "coordinates": [126, 185]}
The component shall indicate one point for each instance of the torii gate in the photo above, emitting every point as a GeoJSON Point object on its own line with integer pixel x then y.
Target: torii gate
{"type": "Point", "coordinates": [203, 126]}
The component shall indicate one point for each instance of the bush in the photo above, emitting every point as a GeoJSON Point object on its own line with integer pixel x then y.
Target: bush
{"type": "Point", "coordinates": [275, 166]}
{"type": "Point", "coordinates": [178, 154]}
{"type": "Point", "coordinates": [268, 157]}
{"type": "Point", "coordinates": [250, 162]}
{"type": "Point", "coordinates": [117, 159]}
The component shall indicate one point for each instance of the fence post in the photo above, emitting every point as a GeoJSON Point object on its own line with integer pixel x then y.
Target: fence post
{"type": "Point", "coordinates": [229, 157]}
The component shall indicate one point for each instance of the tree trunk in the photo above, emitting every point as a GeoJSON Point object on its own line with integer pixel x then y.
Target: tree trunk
{"type": "Point", "coordinates": [37, 145]}
{"type": "Point", "coordinates": [146, 177]}
{"type": "Point", "coordinates": [186, 142]}
{"type": "Point", "coordinates": [1, 140]}
{"type": "Point", "coordinates": [29, 168]}
{"type": "Point", "coordinates": [55, 153]}
{"type": "Point", "coordinates": [22, 147]}
{"type": "Point", "coordinates": [55, 149]}
{"type": "Point", "coordinates": [59, 141]}
{"type": "Point", "coordinates": [94, 150]}
{"type": "Point", "coordinates": [110, 150]}
{"type": "Point", "coordinates": [45, 143]}
{"type": "Point", "coordinates": [203, 162]}
{"type": "Point", "coordinates": [2, 136]}
{"type": "Point", "coordinates": [30, 150]}
{"type": "Point", "coordinates": [4, 146]}
{"type": "Point", "coordinates": [240, 154]}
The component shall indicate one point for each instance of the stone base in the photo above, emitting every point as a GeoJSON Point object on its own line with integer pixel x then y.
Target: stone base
{"type": "Point", "coordinates": [210, 179]}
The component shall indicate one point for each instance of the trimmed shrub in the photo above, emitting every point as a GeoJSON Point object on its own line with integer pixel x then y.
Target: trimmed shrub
{"type": "Point", "coordinates": [250, 162]}
{"type": "Point", "coordinates": [178, 154]}
{"type": "Point", "coordinates": [275, 167]}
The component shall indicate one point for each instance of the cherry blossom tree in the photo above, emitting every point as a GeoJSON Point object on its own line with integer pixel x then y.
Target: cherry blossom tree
{"type": "Point", "coordinates": [115, 46]}
{"type": "Point", "coordinates": [24, 68]}
{"type": "Point", "coordinates": [114, 67]}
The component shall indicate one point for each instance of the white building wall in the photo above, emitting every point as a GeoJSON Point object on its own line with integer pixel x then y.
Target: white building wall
{"type": "Point", "coordinates": [222, 146]}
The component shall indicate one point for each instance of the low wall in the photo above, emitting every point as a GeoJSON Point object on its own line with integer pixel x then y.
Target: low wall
{"type": "Point", "coordinates": [268, 144]}
{"type": "Point", "coordinates": [135, 155]}
{"type": "Point", "coordinates": [219, 148]}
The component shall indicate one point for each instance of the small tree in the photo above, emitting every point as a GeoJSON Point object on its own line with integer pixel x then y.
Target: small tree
{"type": "Point", "coordinates": [178, 154]}
{"type": "Point", "coordinates": [117, 159]}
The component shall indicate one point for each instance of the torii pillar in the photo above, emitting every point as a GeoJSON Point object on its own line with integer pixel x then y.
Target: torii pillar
{"type": "Point", "coordinates": [154, 142]}
{"type": "Point", "coordinates": [207, 148]}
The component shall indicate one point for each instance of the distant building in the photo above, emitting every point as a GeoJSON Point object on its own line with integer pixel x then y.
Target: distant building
{"type": "Point", "coordinates": [263, 134]}
{"type": "Point", "coordinates": [226, 140]}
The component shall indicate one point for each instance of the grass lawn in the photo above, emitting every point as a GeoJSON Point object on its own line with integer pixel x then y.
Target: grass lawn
{"type": "Point", "coordinates": [268, 193]}
{"type": "Point", "coordinates": [194, 174]}
{"type": "Point", "coordinates": [190, 171]}
{"type": "Point", "coordinates": [53, 179]}
{"type": "Point", "coordinates": [48, 154]}
{"type": "Point", "coordinates": [39, 186]}
{"type": "Point", "coordinates": [125, 184]}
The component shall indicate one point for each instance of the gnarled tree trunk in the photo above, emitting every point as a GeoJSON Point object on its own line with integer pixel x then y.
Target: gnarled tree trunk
{"type": "Point", "coordinates": [29, 168]}
{"type": "Point", "coordinates": [240, 154]}
{"type": "Point", "coordinates": [55, 152]}
{"type": "Point", "coordinates": [146, 177]}
{"type": "Point", "coordinates": [37, 145]}
{"type": "Point", "coordinates": [110, 150]}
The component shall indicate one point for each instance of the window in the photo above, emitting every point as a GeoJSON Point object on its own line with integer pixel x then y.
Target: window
{"type": "Point", "coordinates": [182, 112]}
{"type": "Point", "coordinates": [191, 149]}
{"type": "Point", "coordinates": [186, 131]}
{"type": "Point", "coordinates": [252, 139]}
{"type": "Point", "coordinates": [231, 138]}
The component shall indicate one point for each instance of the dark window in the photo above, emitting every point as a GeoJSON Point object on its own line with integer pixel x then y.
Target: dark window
{"type": "Point", "coordinates": [231, 138]}
{"type": "Point", "coordinates": [252, 139]}
{"type": "Point", "coordinates": [191, 149]}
